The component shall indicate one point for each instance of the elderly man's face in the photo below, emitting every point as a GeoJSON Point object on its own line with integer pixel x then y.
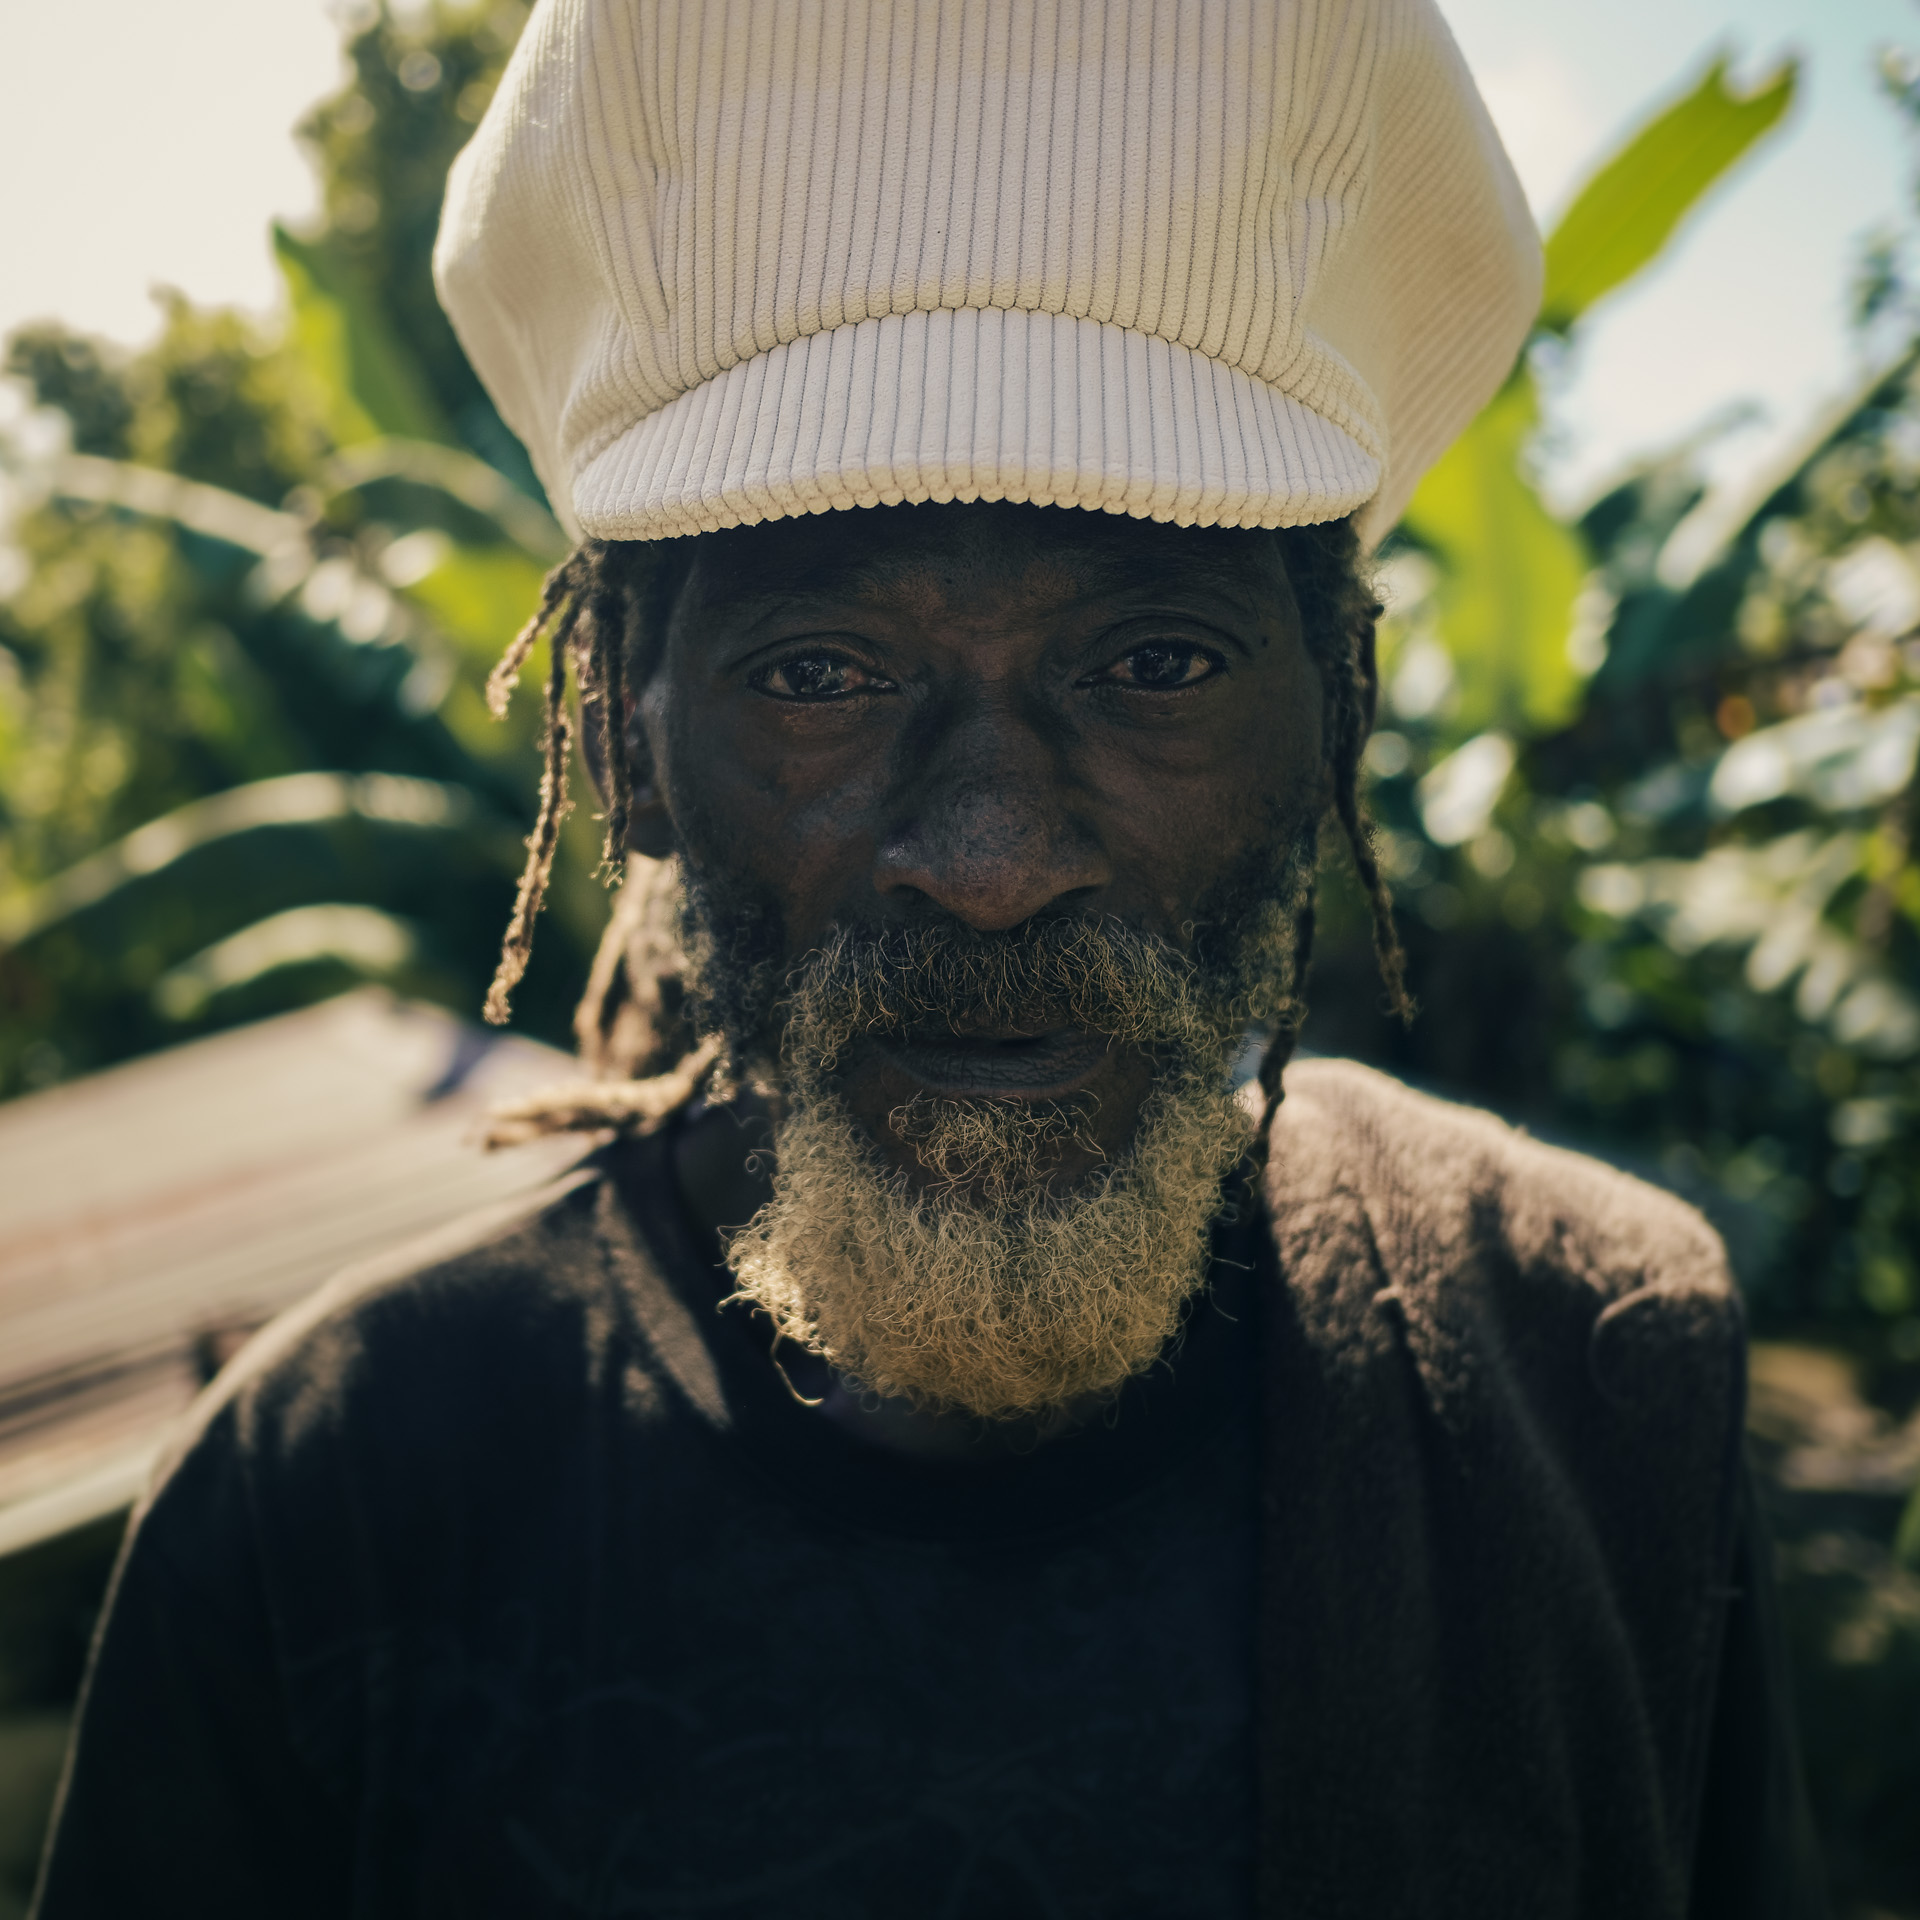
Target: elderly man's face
{"type": "Point", "coordinates": [989, 716]}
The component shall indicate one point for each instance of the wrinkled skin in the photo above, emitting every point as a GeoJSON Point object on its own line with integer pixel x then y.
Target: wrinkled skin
{"type": "Point", "coordinates": [986, 712]}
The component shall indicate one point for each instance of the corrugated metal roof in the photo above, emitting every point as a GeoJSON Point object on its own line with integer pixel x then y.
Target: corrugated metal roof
{"type": "Point", "coordinates": [153, 1214]}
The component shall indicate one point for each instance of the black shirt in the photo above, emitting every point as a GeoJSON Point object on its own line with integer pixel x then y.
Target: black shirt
{"type": "Point", "coordinates": [521, 1584]}
{"type": "Point", "coordinates": [698, 1651]}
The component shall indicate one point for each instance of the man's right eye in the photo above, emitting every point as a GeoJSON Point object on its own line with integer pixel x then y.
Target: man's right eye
{"type": "Point", "coordinates": [817, 676]}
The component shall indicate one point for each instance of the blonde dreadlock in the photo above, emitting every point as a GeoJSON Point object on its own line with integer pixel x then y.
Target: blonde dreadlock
{"type": "Point", "coordinates": [606, 607]}
{"type": "Point", "coordinates": [1339, 616]}
{"type": "Point", "coordinates": [641, 1058]}
{"type": "Point", "coordinates": [582, 613]}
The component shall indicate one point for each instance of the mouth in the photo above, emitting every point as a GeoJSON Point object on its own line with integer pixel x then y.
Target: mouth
{"type": "Point", "coordinates": [1029, 1066]}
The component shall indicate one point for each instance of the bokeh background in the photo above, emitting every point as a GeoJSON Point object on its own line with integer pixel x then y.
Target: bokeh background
{"type": "Point", "coordinates": [1646, 767]}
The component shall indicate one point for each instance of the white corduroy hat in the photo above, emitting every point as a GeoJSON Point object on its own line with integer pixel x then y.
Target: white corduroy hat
{"type": "Point", "coordinates": [1219, 262]}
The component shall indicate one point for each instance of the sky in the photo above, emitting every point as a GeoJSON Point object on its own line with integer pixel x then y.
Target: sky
{"type": "Point", "coordinates": [1749, 305]}
{"type": "Point", "coordinates": [148, 142]}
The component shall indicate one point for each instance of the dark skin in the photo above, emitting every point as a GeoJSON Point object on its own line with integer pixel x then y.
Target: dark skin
{"type": "Point", "coordinates": [985, 712]}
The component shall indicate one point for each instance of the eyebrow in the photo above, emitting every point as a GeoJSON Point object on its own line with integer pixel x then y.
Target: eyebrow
{"type": "Point", "coordinates": [825, 580]}
{"type": "Point", "coordinates": [1101, 569]}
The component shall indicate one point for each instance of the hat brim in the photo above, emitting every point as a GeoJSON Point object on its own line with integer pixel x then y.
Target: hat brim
{"type": "Point", "coordinates": [974, 404]}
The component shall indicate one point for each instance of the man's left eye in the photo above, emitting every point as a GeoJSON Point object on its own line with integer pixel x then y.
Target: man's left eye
{"type": "Point", "coordinates": [1162, 666]}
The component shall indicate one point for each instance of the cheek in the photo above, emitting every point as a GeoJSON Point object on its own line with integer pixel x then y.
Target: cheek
{"type": "Point", "coordinates": [798, 835]}
{"type": "Point", "coordinates": [1278, 747]}
{"type": "Point", "coordinates": [1257, 779]}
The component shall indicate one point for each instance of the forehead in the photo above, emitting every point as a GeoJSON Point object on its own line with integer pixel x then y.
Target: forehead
{"type": "Point", "coordinates": [967, 552]}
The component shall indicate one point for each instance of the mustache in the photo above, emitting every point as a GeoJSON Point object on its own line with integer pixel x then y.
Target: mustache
{"type": "Point", "coordinates": [1096, 974]}
{"type": "Point", "coordinates": [1092, 971]}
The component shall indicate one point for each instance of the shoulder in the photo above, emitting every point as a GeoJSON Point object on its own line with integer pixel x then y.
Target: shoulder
{"type": "Point", "coordinates": [420, 1423]}
{"type": "Point", "coordinates": [1499, 1252]}
{"type": "Point", "coordinates": [409, 1393]}
{"type": "Point", "coordinates": [473, 1314]}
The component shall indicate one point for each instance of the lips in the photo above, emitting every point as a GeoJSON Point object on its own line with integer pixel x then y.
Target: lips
{"type": "Point", "coordinates": [1031, 1065]}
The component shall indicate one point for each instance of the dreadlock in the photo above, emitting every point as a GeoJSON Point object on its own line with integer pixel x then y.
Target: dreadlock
{"type": "Point", "coordinates": [605, 607]}
{"type": "Point", "coordinates": [588, 608]}
{"type": "Point", "coordinates": [1339, 615]}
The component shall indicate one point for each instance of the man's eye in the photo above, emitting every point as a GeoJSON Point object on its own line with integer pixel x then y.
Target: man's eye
{"type": "Point", "coordinates": [817, 676]}
{"type": "Point", "coordinates": [1164, 665]}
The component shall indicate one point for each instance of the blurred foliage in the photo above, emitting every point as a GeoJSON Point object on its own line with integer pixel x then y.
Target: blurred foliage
{"type": "Point", "coordinates": [1511, 571]}
{"type": "Point", "coordinates": [1508, 576]}
{"type": "Point", "coordinates": [1646, 783]}
{"type": "Point", "coordinates": [383, 145]}
{"type": "Point", "coordinates": [1647, 792]}
{"type": "Point", "coordinates": [252, 583]}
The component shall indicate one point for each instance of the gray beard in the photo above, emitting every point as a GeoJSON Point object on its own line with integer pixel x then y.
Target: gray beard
{"type": "Point", "coordinates": [1000, 1306]}
{"type": "Point", "coordinates": [986, 1290]}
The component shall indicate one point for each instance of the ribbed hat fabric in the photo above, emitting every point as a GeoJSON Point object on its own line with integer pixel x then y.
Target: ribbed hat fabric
{"type": "Point", "coordinates": [1218, 262]}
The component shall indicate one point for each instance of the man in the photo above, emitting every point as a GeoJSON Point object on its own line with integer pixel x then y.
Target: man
{"type": "Point", "coordinates": [959, 1451]}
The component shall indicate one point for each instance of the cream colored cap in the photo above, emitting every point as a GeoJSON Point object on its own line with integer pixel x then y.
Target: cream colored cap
{"type": "Point", "coordinates": [1219, 262]}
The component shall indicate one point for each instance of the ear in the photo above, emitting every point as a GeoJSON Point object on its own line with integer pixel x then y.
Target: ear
{"type": "Point", "coordinates": [649, 830]}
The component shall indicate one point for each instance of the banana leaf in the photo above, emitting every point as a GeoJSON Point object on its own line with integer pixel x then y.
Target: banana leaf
{"type": "Point", "coordinates": [362, 942]}
{"type": "Point", "coordinates": [374, 386]}
{"type": "Point", "coordinates": [352, 700]}
{"type": "Point", "coordinates": [215, 863]}
{"type": "Point", "coordinates": [460, 476]}
{"type": "Point", "coordinates": [1623, 218]}
{"type": "Point", "coordinates": [1511, 570]}
{"type": "Point", "coordinates": [1509, 574]}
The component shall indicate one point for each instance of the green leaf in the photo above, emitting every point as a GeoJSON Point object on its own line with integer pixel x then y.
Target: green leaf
{"type": "Point", "coordinates": [211, 511]}
{"type": "Point", "coordinates": [457, 474]}
{"type": "Point", "coordinates": [478, 595]}
{"type": "Point", "coordinates": [373, 385]}
{"type": "Point", "coordinates": [1628, 211]}
{"type": "Point", "coordinates": [262, 821]}
{"type": "Point", "coordinates": [363, 940]}
{"type": "Point", "coordinates": [1509, 573]}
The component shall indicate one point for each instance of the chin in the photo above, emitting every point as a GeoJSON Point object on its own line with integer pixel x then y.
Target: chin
{"type": "Point", "coordinates": [985, 1279]}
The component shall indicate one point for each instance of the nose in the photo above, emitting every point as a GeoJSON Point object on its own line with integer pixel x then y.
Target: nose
{"type": "Point", "coordinates": [990, 826]}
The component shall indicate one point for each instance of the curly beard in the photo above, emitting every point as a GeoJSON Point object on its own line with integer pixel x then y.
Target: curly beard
{"type": "Point", "coordinates": [986, 1289]}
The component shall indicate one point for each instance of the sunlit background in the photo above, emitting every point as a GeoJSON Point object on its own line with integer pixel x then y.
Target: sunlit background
{"type": "Point", "coordinates": [1645, 773]}
{"type": "Point", "coordinates": [155, 139]}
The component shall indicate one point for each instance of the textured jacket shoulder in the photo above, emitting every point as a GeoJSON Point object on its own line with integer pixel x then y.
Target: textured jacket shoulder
{"type": "Point", "coordinates": [1490, 1246]}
